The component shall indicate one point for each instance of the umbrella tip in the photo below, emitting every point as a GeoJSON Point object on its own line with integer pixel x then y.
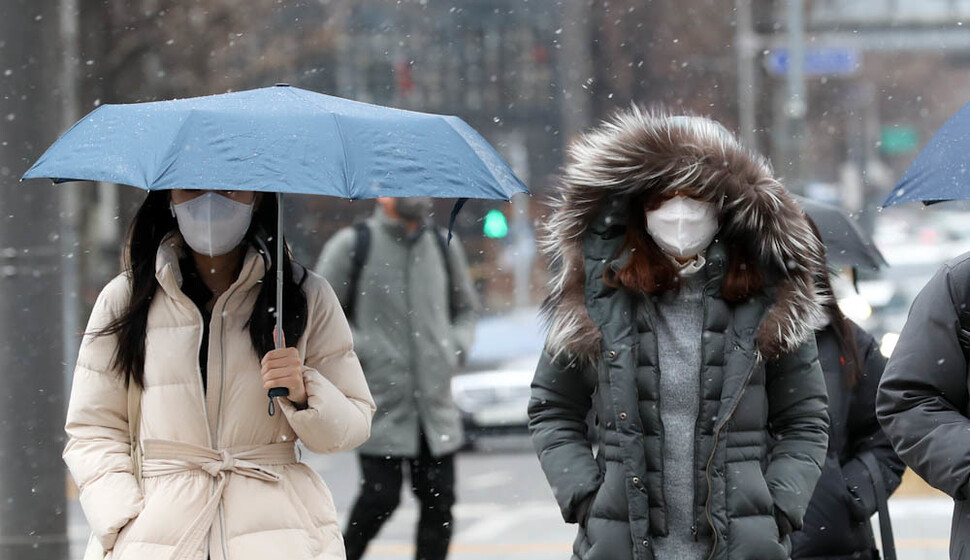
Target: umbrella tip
{"type": "Point", "coordinates": [282, 84]}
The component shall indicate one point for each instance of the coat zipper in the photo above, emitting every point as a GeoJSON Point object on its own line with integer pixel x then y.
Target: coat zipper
{"type": "Point", "coordinates": [202, 391]}
{"type": "Point", "coordinates": [222, 392]}
{"type": "Point", "coordinates": [412, 366]}
{"type": "Point", "coordinates": [663, 428]}
{"type": "Point", "coordinates": [710, 460]}
{"type": "Point", "coordinates": [198, 370]}
{"type": "Point", "coordinates": [700, 394]}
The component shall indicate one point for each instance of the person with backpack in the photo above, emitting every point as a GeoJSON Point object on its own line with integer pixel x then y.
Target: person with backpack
{"type": "Point", "coordinates": [923, 403]}
{"type": "Point", "coordinates": [412, 308]}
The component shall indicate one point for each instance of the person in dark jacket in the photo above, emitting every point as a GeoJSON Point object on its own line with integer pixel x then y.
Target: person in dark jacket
{"type": "Point", "coordinates": [837, 524]}
{"type": "Point", "coordinates": [923, 402]}
{"type": "Point", "coordinates": [681, 313]}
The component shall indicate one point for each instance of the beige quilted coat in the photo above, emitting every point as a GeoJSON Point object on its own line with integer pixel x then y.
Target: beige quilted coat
{"type": "Point", "coordinates": [221, 478]}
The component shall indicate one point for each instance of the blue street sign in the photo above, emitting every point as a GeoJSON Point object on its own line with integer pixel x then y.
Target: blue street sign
{"type": "Point", "coordinates": [818, 62]}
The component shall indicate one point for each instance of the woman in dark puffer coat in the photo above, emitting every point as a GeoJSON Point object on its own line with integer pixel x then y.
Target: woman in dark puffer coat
{"type": "Point", "coordinates": [682, 314]}
{"type": "Point", "coordinates": [837, 521]}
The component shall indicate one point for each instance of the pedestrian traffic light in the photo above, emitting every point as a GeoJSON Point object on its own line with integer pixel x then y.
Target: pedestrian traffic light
{"type": "Point", "coordinates": [496, 224]}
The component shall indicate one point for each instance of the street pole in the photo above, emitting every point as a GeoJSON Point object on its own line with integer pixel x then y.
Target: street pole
{"type": "Point", "coordinates": [522, 238]}
{"type": "Point", "coordinates": [746, 45]}
{"type": "Point", "coordinates": [869, 155]}
{"type": "Point", "coordinates": [575, 67]}
{"type": "Point", "coordinates": [70, 197]}
{"type": "Point", "coordinates": [797, 106]}
{"type": "Point", "coordinates": [32, 405]}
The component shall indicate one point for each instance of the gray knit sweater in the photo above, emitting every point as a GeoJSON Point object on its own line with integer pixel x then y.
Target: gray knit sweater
{"type": "Point", "coordinates": [679, 325]}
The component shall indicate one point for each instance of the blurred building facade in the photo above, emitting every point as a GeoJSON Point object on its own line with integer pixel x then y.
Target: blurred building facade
{"type": "Point", "coordinates": [530, 75]}
{"type": "Point", "coordinates": [884, 77]}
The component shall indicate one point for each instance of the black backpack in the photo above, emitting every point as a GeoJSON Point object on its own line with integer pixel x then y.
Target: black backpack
{"type": "Point", "coordinates": [362, 238]}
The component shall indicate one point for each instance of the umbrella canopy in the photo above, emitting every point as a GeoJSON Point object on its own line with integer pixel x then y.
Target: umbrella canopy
{"type": "Point", "coordinates": [846, 245]}
{"type": "Point", "coordinates": [284, 140]}
{"type": "Point", "coordinates": [280, 139]}
{"type": "Point", "coordinates": [941, 171]}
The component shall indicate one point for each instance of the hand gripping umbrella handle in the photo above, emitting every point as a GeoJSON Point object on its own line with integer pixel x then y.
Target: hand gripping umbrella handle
{"type": "Point", "coordinates": [279, 339]}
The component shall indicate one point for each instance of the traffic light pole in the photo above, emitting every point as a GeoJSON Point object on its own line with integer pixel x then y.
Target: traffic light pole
{"type": "Point", "coordinates": [797, 105]}
{"type": "Point", "coordinates": [746, 45]}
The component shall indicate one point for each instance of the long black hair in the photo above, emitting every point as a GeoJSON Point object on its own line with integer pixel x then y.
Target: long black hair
{"type": "Point", "coordinates": [849, 358]}
{"type": "Point", "coordinates": [152, 223]}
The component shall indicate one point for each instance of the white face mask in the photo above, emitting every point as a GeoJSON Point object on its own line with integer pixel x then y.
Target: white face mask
{"type": "Point", "coordinates": [683, 227]}
{"type": "Point", "coordinates": [213, 224]}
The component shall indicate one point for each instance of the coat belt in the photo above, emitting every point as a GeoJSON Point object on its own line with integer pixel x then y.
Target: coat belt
{"type": "Point", "coordinates": [164, 458]}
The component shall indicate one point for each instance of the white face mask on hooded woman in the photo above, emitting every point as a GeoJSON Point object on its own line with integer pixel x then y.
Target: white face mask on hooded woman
{"type": "Point", "coordinates": [212, 224]}
{"type": "Point", "coordinates": [683, 227]}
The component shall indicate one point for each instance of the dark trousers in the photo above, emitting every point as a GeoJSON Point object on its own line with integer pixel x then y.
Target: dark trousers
{"type": "Point", "coordinates": [433, 484]}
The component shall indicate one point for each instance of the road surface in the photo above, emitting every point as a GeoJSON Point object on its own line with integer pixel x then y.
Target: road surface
{"type": "Point", "coordinates": [506, 511]}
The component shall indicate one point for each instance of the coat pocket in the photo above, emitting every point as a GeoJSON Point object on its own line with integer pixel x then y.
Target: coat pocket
{"type": "Point", "coordinates": [747, 489]}
{"type": "Point", "coordinates": [314, 531]}
{"type": "Point", "coordinates": [314, 495]}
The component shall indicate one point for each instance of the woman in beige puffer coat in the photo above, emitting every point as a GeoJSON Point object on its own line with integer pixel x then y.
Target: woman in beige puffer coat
{"type": "Point", "coordinates": [220, 477]}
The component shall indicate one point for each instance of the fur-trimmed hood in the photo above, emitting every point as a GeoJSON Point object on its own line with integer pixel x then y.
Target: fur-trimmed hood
{"type": "Point", "coordinates": [638, 151]}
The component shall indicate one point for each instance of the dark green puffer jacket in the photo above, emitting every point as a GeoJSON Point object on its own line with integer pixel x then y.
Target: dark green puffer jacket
{"type": "Point", "coordinates": [762, 428]}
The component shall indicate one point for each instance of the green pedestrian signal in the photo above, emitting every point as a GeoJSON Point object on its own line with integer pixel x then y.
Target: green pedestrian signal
{"type": "Point", "coordinates": [496, 225]}
{"type": "Point", "coordinates": [898, 140]}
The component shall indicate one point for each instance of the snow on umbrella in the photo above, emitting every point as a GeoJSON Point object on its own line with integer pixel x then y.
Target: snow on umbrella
{"type": "Point", "coordinates": [941, 171]}
{"type": "Point", "coordinates": [282, 140]}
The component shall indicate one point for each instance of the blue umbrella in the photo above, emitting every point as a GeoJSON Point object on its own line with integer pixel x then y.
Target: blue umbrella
{"type": "Point", "coordinates": [941, 171]}
{"type": "Point", "coordinates": [280, 139]}
{"type": "Point", "coordinates": [284, 140]}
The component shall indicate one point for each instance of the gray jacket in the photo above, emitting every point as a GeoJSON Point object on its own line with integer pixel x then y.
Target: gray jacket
{"type": "Point", "coordinates": [762, 427]}
{"type": "Point", "coordinates": [411, 331]}
{"type": "Point", "coordinates": [923, 402]}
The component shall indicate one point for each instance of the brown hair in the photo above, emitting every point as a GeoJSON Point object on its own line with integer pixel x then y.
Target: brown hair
{"type": "Point", "coordinates": [651, 271]}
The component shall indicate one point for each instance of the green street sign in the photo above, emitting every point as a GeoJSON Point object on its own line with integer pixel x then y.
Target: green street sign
{"type": "Point", "coordinates": [897, 140]}
{"type": "Point", "coordinates": [496, 225]}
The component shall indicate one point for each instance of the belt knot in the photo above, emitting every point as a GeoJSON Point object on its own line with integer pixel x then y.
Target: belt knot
{"type": "Point", "coordinates": [225, 463]}
{"type": "Point", "coordinates": [166, 458]}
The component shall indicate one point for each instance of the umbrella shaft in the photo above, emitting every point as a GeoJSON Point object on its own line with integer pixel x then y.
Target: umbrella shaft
{"type": "Point", "coordinates": [278, 392]}
{"type": "Point", "coordinates": [279, 271]}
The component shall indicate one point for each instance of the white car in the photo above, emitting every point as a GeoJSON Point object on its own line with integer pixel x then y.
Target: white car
{"type": "Point", "coordinates": [495, 399]}
{"type": "Point", "coordinates": [492, 392]}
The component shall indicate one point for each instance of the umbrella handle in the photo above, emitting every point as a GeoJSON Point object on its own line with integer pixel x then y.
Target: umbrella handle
{"type": "Point", "coordinates": [274, 393]}
{"type": "Point", "coordinates": [278, 339]}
